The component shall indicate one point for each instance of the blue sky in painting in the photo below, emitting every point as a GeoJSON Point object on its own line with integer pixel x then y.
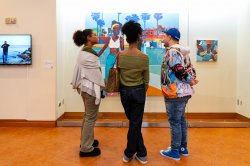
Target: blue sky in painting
{"type": "Point", "coordinates": [168, 20]}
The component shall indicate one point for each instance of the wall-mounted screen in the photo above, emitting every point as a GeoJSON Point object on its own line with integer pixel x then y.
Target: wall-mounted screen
{"type": "Point", "coordinates": [15, 49]}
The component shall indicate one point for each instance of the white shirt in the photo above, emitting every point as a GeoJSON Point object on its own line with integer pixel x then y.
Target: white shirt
{"type": "Point", "coordinates": [114, 44]}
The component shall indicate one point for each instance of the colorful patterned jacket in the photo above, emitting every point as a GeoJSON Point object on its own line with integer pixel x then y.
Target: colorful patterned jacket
{"type": "Point", "coordinates": [177, 72]}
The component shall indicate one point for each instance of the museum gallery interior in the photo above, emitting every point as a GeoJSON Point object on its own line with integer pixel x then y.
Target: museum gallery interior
{"type": "Point", "coordinates": [41, 114]}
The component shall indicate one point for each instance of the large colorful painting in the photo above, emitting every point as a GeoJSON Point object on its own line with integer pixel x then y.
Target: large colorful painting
{"type": "Point", "coordinates": [207, 50]}
{"type": "Point", "coordinates": [108, 28]}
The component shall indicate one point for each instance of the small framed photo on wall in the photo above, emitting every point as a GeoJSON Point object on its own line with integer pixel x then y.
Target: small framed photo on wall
{"type": "Point", "coordinates": [207, 50]}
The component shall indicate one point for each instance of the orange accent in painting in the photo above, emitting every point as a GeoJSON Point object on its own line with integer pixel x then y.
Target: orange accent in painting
{"type": "Point", "coordinates": [152, 91]}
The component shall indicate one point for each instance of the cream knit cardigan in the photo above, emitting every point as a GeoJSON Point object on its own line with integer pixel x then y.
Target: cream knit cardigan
{"type": "Point", "coordinates": [87, 76]}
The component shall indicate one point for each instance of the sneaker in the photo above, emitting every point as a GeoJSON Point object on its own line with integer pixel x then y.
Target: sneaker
{"type": "Point", "coordinates": [183, 151]}
{"type": "Point", "coordinates": [171, 153]}
{"type": "Point", "coordinates": [126, 159]}
{"type": "Point", "coordinates": [142, 160]}
{"type": "Point", "coordinates": [95, 152]}
{"type": "Point", "coordinates": [95, 143]}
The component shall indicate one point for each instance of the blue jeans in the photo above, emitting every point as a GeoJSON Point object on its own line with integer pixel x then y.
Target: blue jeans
{"type": "Point", "coordinates": [133, 101]}
{"type": "Point", "coordinates": [5, 56]}
{"type": "Point", "coordinates": [177, 120]}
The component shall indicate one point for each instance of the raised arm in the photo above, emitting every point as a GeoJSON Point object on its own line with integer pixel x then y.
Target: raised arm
{"type": "Point", "coordinates": [104, 47]}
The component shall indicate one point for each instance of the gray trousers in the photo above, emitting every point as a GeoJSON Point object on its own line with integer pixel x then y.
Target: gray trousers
{"type": "Point", "coordinates": [88, 123]}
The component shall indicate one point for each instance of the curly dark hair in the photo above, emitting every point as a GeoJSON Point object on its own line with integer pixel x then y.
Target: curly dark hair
{"type": "Point", "coordinates": [132, 30]}
{"type": "Point", "coordinates": [80, 37]}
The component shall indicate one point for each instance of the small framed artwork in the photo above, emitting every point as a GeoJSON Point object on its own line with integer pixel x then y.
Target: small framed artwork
{"type": "Point", "coordinates": [207, 50]}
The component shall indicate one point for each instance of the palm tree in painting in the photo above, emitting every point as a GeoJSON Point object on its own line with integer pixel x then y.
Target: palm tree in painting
{"type": "Point", "coordinates": [119, 16]}
{"type": "Point", "coordinates": [134, 17]}
{"type": "Point", "coordinates": [145, 17]}
{"type": "Point", "coordinates": [157, 16]}
{"type": "Point", "coordinates": [128, 18]}
{"type": "Point", "coordinates": [95, 17]}
{"type": "Point", "coordinates": [101, 23]}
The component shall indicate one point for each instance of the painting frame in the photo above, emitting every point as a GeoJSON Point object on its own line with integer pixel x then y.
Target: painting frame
{"type": "Point", "coordinates": [206, 50]}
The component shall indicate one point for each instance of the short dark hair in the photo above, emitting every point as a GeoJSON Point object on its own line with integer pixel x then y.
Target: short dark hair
{"type": "Point", "coordinates": [132, 30]}
{"type": "Point", "coordinates": [80, 37]}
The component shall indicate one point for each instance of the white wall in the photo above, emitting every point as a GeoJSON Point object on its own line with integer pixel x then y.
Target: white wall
{"type": "Point", "coordinates": [216, 91]}
{"type": "Point", "coordinates": [60, 106]}
{"type": "Point", "coordinates": [71, 17]}
{"type": "Point", "coordinates": [243, 67]}
{"type": "Point", "coordinates": [29, 92]}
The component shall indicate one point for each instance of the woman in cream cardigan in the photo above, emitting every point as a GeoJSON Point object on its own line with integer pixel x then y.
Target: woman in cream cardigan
{"type": "Point", "coordinates": [88, 80]}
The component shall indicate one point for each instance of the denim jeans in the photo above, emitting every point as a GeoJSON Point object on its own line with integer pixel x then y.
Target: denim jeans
{"type": "Point", "coordinates": [133, 101]}
{"type": "Point", "coordinates": [5, 56]}
{"type": "Point", "coordinates": [177, 120]}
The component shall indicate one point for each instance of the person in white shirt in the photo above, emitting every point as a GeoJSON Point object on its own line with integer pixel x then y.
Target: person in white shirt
{"type": "Point", "coordinates": [115, 44]}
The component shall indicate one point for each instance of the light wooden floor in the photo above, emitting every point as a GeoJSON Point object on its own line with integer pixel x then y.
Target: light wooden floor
{"type": "Point", "coordinates": [60, 147]}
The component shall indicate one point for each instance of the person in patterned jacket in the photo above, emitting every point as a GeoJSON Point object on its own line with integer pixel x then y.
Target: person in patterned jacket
{"type": "Point", "coordinates": [177, 79]}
